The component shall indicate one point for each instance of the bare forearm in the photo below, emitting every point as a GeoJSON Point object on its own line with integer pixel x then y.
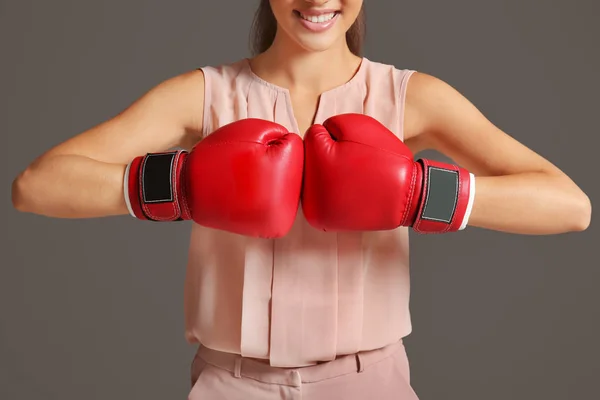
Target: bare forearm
{"type": "Point", "coordinates": [531, 203]}
{"type": "Point", "coordinates": [70, 186]}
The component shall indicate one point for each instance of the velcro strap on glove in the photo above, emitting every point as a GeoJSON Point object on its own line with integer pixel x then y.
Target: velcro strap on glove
{"type": "Point", "coordinates": [153, 187]}
{"type": "Point", "coordinates": [447, 196]}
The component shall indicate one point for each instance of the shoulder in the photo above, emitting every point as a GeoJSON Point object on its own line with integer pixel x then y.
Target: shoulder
{"type": "Point", "coordinates": [380, 73]}
{"type": "Point", "coordinates": [382, 70]}
{"type": "Point", "coordinates": [198, 76]}
{"type": "Point", "coordinates": [427, 99]}
{"type": "Point", "coordinates": [228, 71]}
{"type": "Point", "coordinates": [180, 97]}
{"type": "Point", "coordinates": [190, 91]}
{"type": "Point", "coordinates": [181, 84]}
{"type": "Point", "coordinates": [391, 81]}
{"type": "Point", "coordinates": [426, 90]}
{"type": "Point", "coordinates": [429, 102]}
{"type": "Point", "coordinates": [177, 100]}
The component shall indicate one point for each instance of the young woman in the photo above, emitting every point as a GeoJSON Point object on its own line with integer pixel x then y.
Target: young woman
{"type": "Point", "coordinates": [310, 304]}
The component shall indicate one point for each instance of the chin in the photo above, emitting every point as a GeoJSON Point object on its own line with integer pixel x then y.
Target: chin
{"type": "Point", "coordinates": [316, 46]}
{"type": "Point", "coordinates": [318, 42]}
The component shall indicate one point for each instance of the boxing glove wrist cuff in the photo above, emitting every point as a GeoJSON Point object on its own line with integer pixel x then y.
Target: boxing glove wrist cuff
{"type": "Point", "coordinates": [154, 187]}
{"type": "Point", "coordinates": [446, 197]}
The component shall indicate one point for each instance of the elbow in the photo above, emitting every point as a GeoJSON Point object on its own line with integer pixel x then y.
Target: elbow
{"type": "Point", "coordinates": [581, 214]}
{"type": "Point", "coordinates": [18, 192]}
{"type": "Point", "coordinates": [585, 218]}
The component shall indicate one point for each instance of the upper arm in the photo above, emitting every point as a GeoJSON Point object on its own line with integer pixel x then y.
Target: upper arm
{"type": "Point", "coordinates": [442, 119]}
{"type": "Point", "coordinates": [166, 116]}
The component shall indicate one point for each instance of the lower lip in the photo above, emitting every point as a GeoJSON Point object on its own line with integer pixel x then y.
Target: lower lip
{"type": "Point", "coordinates": [318, 26]}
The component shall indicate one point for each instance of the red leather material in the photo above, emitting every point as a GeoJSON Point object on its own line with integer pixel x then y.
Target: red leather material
{"type": "Point", "coordinates": [358, 175]}
{"type": "Point", "coordinates": [245, 178]}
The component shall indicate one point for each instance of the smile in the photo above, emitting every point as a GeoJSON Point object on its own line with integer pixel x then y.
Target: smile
{"type": "Point", "coordinates": [318, 19]}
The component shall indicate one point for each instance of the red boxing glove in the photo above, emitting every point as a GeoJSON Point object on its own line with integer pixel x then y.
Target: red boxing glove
{"type": "Point", "coordinates": [244, 178]}
{"type": "Point", "coordinates": [358, 175]}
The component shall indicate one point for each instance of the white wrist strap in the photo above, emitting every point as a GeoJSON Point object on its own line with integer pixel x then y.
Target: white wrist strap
{"type": "Point", "coordinates": [126, 190]}
{"type": "Point", "coordinates": [465, 221]}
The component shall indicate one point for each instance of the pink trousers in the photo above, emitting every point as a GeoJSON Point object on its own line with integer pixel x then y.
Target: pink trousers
{"type": "Point", "coordinates": [381, 374]}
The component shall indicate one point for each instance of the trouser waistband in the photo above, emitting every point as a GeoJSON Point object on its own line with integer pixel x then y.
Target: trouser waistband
{"type": "Point", "coordinates": [245, 367]}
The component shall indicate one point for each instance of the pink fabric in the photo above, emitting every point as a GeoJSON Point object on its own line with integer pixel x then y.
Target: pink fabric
{"type": "Point", "coordinates": [309, 296]}
{"type": "Point", "coordinates": [381, 374]}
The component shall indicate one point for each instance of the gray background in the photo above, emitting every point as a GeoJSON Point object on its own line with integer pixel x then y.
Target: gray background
{"type": "Point", "coordinates": [93, 308]}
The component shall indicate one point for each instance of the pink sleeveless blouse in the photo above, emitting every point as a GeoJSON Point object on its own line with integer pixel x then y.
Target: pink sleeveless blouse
{"type": "Point", "coordinates": [311, 295]}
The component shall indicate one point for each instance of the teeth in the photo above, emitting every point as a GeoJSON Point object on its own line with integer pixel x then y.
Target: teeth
{"type": "Point", "coordinates": [318, 19]}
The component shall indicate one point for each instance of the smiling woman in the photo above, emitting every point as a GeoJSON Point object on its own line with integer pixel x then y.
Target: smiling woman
{"type": "Point", "coordinates": [298, 173]}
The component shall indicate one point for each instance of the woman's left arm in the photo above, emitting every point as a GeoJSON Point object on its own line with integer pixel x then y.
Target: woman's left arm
{"type": "Point", "coordinates": [516, 189]}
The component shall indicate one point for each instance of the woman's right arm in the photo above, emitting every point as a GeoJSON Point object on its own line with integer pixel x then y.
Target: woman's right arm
{"type": "Point", "coordinates": [83, 176]}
